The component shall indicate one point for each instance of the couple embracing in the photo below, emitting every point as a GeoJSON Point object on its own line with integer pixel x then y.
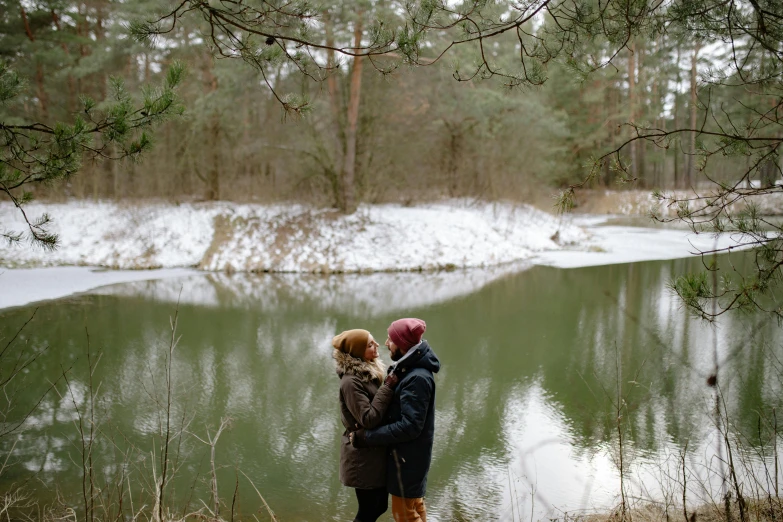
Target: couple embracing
{"type": "Point", "coordinates": [389, 419]}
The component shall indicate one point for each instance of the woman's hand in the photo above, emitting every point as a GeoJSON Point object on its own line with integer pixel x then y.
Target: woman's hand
{"type": "Point", "coordinates": [358, 439]}
{"type": "Point", "coordinates": [391, 380]}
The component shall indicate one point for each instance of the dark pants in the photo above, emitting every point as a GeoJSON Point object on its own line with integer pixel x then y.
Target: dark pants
{"type": "Point", "coordinates": [372, 504]}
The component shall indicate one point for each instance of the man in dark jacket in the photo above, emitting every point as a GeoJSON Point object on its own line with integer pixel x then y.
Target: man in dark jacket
{"type": "Point", "coordinates": [410, 430]}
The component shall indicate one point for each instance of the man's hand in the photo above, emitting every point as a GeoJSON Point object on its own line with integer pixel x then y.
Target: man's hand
{"type": "Point", "coordinates": [358, 439]}
{"type": "Point", "coordinates": [391, 380]}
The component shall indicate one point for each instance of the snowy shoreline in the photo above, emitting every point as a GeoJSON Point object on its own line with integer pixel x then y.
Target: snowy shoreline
{"type": "Point", "coordinates": [159, 241]}
{"type": "Point", "coordinates": [225, 237]}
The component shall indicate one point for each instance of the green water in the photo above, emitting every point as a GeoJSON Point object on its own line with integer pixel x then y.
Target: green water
{"type": "Point", "coordinates": [526, 418]}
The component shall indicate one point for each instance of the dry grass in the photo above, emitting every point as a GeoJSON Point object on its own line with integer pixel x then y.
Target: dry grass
{"type": "Point", "coordinates": [766, 510]}
{"type": "Point", "coordinates": [641, 202]}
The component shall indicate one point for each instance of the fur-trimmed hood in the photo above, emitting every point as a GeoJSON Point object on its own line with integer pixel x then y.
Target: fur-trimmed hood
{"type": "Point", "coordinates": [367, 371]}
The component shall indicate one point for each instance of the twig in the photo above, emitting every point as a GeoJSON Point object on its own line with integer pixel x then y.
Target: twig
{"type": "Point", "coordinates": [268, 509]}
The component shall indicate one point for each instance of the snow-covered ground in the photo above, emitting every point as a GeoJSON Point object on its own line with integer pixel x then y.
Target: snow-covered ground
{"type": "Point", "coordinates": [113, 235]}
{"type": "Point", "coordinates": [224, 238]}
{"type": "Point", "coordinates": [292, 238]}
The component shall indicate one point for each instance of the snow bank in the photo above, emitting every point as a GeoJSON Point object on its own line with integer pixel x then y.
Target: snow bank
{"type": "Point", "coordinates": [278, 238]}
{"type": "Point", "coordinates": [114, 235]}
{"type": "Point", "coordinates": [383, 238]}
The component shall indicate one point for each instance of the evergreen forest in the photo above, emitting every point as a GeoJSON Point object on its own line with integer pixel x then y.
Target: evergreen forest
{"type": "Point", "coordinates": [346, 102]}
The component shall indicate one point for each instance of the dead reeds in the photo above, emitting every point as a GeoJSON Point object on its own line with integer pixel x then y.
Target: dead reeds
{"type": "Point", "coordinates": [120, 481]}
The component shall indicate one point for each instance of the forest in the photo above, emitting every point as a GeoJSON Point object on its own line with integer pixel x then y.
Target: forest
{"type": "Point", "coordinates": [399, 121]}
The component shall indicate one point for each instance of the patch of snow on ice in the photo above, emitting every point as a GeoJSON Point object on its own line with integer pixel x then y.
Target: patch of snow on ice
{"type": "Point", "coordinates": [612, 245]}
{"type": "Point", "coordinates": [24, 286]}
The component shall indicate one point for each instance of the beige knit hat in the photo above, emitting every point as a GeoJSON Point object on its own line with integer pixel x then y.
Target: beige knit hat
{"type": "Point", "coordinates": [352, 342]}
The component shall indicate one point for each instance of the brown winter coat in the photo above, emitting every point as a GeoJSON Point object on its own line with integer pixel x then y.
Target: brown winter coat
{"type": "Point", "coordinates": [363, 402]}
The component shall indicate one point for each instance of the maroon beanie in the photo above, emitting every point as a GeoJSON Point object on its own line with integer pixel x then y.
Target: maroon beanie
{"type": "Point", "coordinates": [406, 333]}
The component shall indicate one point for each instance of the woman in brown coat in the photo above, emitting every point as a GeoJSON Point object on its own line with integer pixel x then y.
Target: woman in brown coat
{"type": "Point", "coordinates": [365, 395]}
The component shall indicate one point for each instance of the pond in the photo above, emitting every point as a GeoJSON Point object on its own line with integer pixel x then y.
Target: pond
{"type": "Point", "coordinates": [535, 362]}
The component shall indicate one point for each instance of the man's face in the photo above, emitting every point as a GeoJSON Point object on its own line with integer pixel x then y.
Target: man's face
{"type": "Point", "coordinates": [396, 353]}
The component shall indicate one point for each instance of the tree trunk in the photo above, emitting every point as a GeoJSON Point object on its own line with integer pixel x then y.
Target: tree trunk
{"type": "Point", "coordinates": [71, 81]}
{"type": "Point", "coordinates": [83, 32]}
{"type": "Point", "coordinates": [213, 175]}
{"type": "Point", "coordinates": [450, 157]}
{"type": "Point", "coordinates": [115, 174]}
{"type": "Point", "coordinates": [659, 95]}
{"type": "Point", "coordinates": [692, 149]}
{"type": "Point", "coordinates": [336, 109]}
{"type": "Point", "coordinates": [768, 171]}
{"type": "Point", "coordinates": [43, 100]}
{"type": "Point", "coordinates": [26, 23]}
{"type": "Point", "coordinates": [613, 133]}
{"type": "Point", "coordinates": [608, 113]}
{"type": "Point", "coordinates": [349, 165]}
{"type": "Point", "coordinates": [331, 80]}
{"type": "Point", "coordinates": [633, 169]}
{"type": "Point", "coordinates": [100, 37]}
{"type": "Point", "coordinates": [641, 170]}
{"type": "Point", "coordinates": [247, 156]}
{"type": "Point", "coordinates": [655, 106]}
{"type": "Point", "coordinates": [677, 123]}
{"type": "Point", "coordinates": [213, 187]}
{"type": "Point", "coordinates": [779, 151]}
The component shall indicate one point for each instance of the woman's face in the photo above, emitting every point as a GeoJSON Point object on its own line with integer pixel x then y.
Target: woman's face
{"type": "Point", "coordinates": [371, 353]}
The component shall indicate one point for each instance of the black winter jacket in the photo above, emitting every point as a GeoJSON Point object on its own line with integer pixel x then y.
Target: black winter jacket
{"type": "Point", "coordinates": [410, 431]}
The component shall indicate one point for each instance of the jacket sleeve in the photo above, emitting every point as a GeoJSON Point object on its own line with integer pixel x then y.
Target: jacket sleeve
{"type": "Point", "coordinates": [369, 413]}
{"type": "Point", "coordinates": [415, 394]}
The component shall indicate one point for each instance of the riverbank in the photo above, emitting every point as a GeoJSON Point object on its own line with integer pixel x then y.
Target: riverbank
{"type": "Point", "coordinates": [156, 240]}
{"type": "Point", "coordinates": [226, 237]}
{"type": "Point", "coordinates": [605, 245]}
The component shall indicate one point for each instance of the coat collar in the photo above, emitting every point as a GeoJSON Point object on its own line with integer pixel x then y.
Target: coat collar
{"type": "Point", "coordinates": [366, 371]}
{"type": "Point", "coordinates": [420, 355]}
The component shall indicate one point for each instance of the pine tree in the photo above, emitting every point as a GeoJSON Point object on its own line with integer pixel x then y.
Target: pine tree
{"type": "Point", "coordinates": [39, 152]}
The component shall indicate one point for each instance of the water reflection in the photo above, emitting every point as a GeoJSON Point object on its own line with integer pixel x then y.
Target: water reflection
{"type": "Point", "coordinates": [526, 419]}
{"type": "Point", "coordinates": [355, 294]}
